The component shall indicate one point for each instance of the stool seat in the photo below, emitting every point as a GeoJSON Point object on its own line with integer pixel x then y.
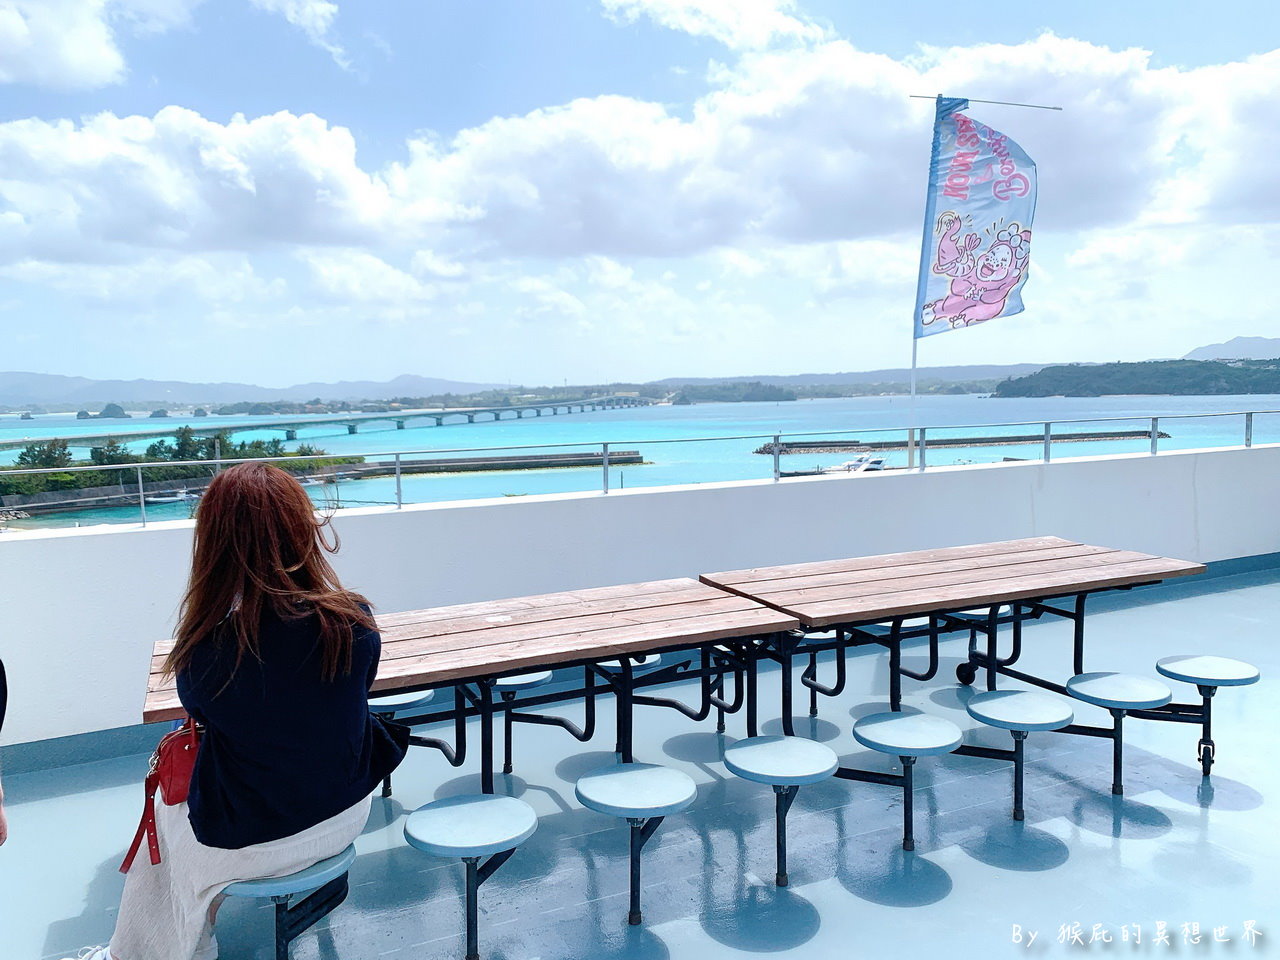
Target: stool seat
{"type": "Point", "coordinates": [781, 761]}
{"type": "Point", "coordinates": [1208, 671]}
{"type": "Point", "coordinates": [523, 681]}
{"type": "Point", "coordinates": [1020, 710]}
{"type": "Point", "coordinates": [636, 790]}
{"type": "Point", "coordinates": [1119, 691]}
{"type": "Point", "coordinates": [395, 702]}
{"type": "Point", "coordinates": [304, 881]}
{"type": "Point", "coordinates": [649, 662]}
{"type": "Point", "coordinates": [472, 825]}
{"type": "Point", "coordinates": [907, 734]}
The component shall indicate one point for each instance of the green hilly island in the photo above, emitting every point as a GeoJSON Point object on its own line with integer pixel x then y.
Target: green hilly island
{"type": "Point", "coordinates": [1166, 377]}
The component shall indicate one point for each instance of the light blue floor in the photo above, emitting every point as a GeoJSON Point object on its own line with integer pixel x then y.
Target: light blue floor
{"type": "Point", "coordinates": [1174, 850]}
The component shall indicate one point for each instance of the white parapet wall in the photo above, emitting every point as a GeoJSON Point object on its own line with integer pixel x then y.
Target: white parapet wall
{"type": "Point", "coordinates": [80, 609]}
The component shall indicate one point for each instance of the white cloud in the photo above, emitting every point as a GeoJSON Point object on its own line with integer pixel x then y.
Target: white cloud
{"type": "Point", "coordinates": [434, 265]}
{"type": "Point", "coordinates": [154, 281]}
{"type": "Point", "coordinates": [74, 44]}
{"type": "Point", "coordinates": [738, 24]}
{"type": "Point", "coordinates": [58, 43]}
{"type": "Point", "coordinates": [355, 277]}
{"type": "Point", "coordinates": [801, 164]}
{"type": "Point", "coordinates": [314, 18]}
{"type": "Point", "coordinates": [109, 187]}
{"type": "Point", "coordinates": [541, 298]}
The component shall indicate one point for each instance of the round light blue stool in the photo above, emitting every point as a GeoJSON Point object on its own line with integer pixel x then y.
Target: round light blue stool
{"type": "Point", "coordinates": [786, 764]}
{"type": "Point", "coordinates": [644, 794]}
{"type": "Point", "coordinates": [646, 664]}
{"type": "Point", "coordinates": [1208, 673]}
{"type": "Point", "coordinates": [392, 704]}
{"type": "Point", "coordinates": [907, 736]}
{"type": "Point", "coordinates": [1020, 712]}
{"type": "Point", "coordinates": [1118, 693]}
{"type": "Point", "coordinates": [508, 688]}
{"type": "Point", "coordinates": [324, 882]}
{"type": "Point", "coordinates": [471, 827]}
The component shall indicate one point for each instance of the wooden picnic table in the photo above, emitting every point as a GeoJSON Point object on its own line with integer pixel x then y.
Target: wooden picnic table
{"type": "Point", "coordinates": [879, 588]}
{"type": "Point", "coordinates": [441, 645]}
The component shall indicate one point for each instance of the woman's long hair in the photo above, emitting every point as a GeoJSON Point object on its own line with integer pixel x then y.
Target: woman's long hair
{"type": "Point", "coordinates": [259, 545]}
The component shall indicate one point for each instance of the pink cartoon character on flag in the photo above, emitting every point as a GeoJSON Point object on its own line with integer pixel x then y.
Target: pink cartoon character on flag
{"type": "Point", "coordinates": [980, 284]}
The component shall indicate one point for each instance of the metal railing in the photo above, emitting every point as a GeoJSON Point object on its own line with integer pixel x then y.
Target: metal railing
{"type": "Point", "coordinates": [916, 443]}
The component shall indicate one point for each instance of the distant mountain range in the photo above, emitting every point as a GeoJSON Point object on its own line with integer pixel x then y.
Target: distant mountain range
{"type": "Point", "coordinates": [45, 388]}
{"type": "Point", "coordinates": [1239, 348]}
{"type": "Point", "coordinates": [890, 375]}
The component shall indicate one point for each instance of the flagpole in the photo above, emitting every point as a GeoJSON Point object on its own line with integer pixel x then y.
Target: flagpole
{"type": "Point", "coordinates": [911, 434]}
{"type": "Point", "coordinates": [920, 286]}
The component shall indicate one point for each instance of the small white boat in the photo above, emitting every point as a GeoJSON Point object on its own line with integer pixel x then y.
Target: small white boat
{"type": "Point", "coordinates": [863, 464]}
{"type": "Point", "coordinates": [179, 496]}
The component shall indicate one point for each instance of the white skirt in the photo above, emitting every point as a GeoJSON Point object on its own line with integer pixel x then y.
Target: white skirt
{"type": "Point", "coordinates": [164, 912]}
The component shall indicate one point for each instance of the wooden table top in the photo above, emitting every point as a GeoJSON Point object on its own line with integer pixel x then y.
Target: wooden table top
{"type": "Point", "coordinates": [473, 640]}
{"type": "Point", "coordinates": [868, 589]}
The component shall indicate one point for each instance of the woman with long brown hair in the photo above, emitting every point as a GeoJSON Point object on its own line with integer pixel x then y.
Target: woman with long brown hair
{"type": "Point", "coordinates": [274, 658]}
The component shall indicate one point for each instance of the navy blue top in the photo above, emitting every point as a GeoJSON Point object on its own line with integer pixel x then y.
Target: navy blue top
{"type": "Point", "coordinates": [283, 748]}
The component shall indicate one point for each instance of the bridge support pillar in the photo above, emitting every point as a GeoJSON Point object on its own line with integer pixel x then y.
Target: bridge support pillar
{"type": "Point", "coordinates": [399, 424]}
{"type": "Point", "coordinates": [471, 418]}
{"type": "Point", "coordinates": [353, 428]}
{"type": "Point", "coordinates": [439, 421]}
{"type": "Point", "coordinates": [291, 434]}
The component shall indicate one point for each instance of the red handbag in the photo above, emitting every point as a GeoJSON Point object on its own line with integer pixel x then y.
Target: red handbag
{"type": "Point", "coordinates": [170, 773]}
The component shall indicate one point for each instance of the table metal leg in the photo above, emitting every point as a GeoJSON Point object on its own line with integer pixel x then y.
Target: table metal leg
{"type": "Point", "coordinates": [783, 647]}
{"type": "Point", "coordinates": [485, 706]}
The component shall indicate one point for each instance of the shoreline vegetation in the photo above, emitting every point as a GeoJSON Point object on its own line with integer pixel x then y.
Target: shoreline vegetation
{"type": "Point", "coordinates": [44, 489]}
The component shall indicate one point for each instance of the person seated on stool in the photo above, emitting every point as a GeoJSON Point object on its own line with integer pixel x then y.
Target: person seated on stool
{"type": "Point", "coordinates": [274, 658]}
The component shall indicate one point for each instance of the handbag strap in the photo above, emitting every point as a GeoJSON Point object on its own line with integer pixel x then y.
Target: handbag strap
{"type": "Point", "coordinates": [146, 827]}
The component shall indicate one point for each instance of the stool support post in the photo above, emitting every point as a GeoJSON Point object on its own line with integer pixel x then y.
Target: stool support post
{"type": "Point", "coordinates": [783, 798]}
{"type": "Point", "coordinates": [478, 873]}
{"type": "Point", "coordinates": [282, 928]}
{"type": "Point", "coordinates": [1019, 739]}
{"type": "Point", "coordinates": [1205, 747]}
{"type": "Point", "coordinates": [908, 789]}
{"type": "Point", "coordinates": [641, 830]}
{"type": "Point", "coordinates": [813, 693]}
{"type": "Point", "coordinates": [1117, 753]}
{"type": "Point", "coordinates": [473, 907]}
{"type": "Point", "coordinates": [292, 920]}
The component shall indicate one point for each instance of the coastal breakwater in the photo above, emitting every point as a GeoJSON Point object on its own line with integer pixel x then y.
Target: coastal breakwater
{"type": "Point", "coordinates": [868, 446]}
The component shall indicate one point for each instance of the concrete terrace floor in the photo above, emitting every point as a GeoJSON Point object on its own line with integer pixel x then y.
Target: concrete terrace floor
{"type": "Point", "coordinates": [1175, 849]}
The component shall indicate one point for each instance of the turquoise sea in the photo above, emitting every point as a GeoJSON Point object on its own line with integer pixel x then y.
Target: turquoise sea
{"type": "Point", "coordinates": [654, 430]}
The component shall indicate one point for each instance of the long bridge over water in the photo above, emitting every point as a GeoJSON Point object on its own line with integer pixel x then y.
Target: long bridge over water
{"type": "Point", "coordinates": [352, 421]}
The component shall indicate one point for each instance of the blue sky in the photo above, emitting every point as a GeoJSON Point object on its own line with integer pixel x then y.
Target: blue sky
{"type": "Point", "coordinates": [288, 190]}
